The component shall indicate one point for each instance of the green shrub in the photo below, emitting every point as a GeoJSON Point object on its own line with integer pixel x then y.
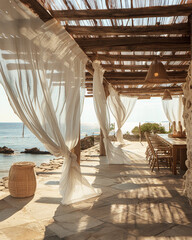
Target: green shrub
{"type": "Point", "coordinates": [150, 128]}
{"type": "Point", "coordinates": [135, 130]}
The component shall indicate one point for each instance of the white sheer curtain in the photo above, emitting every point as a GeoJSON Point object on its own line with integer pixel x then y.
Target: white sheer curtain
{"type": "Point", "coordinates": [121, 107]}
{"type": "Point", "coordinates": [115, 155]}
{"type": "Point", "coordinates": [43, 73]}
{"type": "Point", "coordinates": [174, 110]}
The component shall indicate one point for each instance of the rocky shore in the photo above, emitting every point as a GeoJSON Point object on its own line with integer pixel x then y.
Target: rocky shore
{"type": "Point", "coordinates": [35, 151]}
{"type": "Point", "coordinates": [6, 150]}
{"type": "Point", "coordinates": [86, 143]}
{"type": "Point", "coordinates": [3, 183]}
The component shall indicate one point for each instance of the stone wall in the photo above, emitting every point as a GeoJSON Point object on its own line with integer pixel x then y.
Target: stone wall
{"type": "Point", "coordinates": [187, 115]}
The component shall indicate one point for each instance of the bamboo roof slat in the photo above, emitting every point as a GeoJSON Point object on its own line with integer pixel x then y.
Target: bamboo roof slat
{"type": "Point", "coordinates": [145, 12]}
{"type": "Point", "coordinates": [126, 35]}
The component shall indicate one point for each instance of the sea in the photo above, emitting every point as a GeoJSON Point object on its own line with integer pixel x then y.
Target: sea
{"type": "Point", "coordinates": [11, 135]}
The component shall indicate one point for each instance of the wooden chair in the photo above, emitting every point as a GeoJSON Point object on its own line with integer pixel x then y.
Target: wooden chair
{"type": "Point", "coordinates": [157, 151]}
{"type": "Point", "coordinates": [154, 140]}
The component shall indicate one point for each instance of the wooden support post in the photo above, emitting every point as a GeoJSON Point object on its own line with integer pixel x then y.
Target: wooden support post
{"type": "Point", "coordinates": [140, 137]}
{"type": "Point", "coordinates": [102, 146]}
{"type": "Point", "coordinates": [77, 149]}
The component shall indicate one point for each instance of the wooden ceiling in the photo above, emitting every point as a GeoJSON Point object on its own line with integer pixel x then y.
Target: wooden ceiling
{"type": "Point", "coordinates": [126, 35]}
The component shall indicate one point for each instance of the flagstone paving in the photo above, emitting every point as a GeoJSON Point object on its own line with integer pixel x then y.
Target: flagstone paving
{"type": "Point", "coordinates": [135, 204]}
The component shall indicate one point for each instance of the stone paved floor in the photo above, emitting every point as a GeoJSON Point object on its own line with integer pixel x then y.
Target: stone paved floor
{"type": "Point", "coordinates": [135, 204]}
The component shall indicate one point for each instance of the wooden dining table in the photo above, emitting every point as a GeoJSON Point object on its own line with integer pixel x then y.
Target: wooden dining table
{"type": "Point", "coordinates": [179, 149]}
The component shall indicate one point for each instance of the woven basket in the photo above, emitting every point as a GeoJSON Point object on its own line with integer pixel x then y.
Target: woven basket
{"type": "Point", "coordinates": [22, 179]}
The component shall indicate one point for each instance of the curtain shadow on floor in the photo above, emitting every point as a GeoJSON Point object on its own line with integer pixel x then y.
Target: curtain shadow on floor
{"type": "Point", "coordinates": [134, 203]}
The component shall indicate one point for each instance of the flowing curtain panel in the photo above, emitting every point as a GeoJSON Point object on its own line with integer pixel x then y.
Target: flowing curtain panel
{"type": "Point", "coordinates": [115, 155]}
{"type": "Point", "coordinates": [121, 107]}
{"type": "Point", "coordinates": [174, 110]}
{"type": "Point", "coordinates": [43, 74]}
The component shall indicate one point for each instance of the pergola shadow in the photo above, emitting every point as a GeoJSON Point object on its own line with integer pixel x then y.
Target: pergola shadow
{"type": "Point", "coordinates": [133, 204]}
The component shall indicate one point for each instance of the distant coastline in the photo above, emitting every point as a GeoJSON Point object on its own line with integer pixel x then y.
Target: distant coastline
{"type": "Point", "coordinates": [11, 136]}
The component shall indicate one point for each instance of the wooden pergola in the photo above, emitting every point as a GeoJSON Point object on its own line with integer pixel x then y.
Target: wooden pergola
{"type": "Point", "coordinates": [126, 36]}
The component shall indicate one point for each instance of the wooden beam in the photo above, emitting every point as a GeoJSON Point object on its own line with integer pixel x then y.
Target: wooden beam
{"type": "Point", "coordinates": [118, 57]}
{"type": "Point", "coordinates": [125, 58]}
{"type": "Point", "coordinates": [38, 9]}
{"type": "Point", "coordinates": [137, 75]}
{"type": "Point", "coordinates": [149, 90]}
{"type": "Point", "coordinates": [90, 69]}
{"type": "Point", "coordinates": [130, 40]}
{"type": "Point", "coordinates": [150, 94]}
{"type": "Point", "coordinates": [144, 97]}
{"type": "Point", "coordinates": [128, 83]}
{"type": "Point", "coordinates": [133, 90]}
{"type": "Point", "coordinates": [137, 80]}
{"type": "Point", "coordinates": [146, 94]}
{"type": "Point", "coordinates": [134, 82]}
{"type": "Point", "coordinates": [142, 82]}
{"type": "Point", "coordinates": [181, 28]}
{"type": "Point", "coordinates": [174, 76]}
{"type": "Point", "coordinates": [87, 96]}
{"type": "Point", "coordinates": [144, 91]}
{"type": "Point", "coordinates": [130, 47]}
{"type": "Point", "coordinates": [158, 11]}
{"type": "Point", "coordinates": [131, 79]}
{"type": "Point", "coordinates": [135, 44]}
{"type": "Point", "coordinates": [142, 67]}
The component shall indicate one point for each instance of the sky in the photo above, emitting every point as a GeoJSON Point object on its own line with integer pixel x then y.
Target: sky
{"type": "Point", "coordinates": [144, 111]}
{"type": "Point", "coordinates": [148, 110]}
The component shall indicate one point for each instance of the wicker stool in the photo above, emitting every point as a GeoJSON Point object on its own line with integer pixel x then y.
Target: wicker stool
{"type": "Point", "coordinates": [22, 179]}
